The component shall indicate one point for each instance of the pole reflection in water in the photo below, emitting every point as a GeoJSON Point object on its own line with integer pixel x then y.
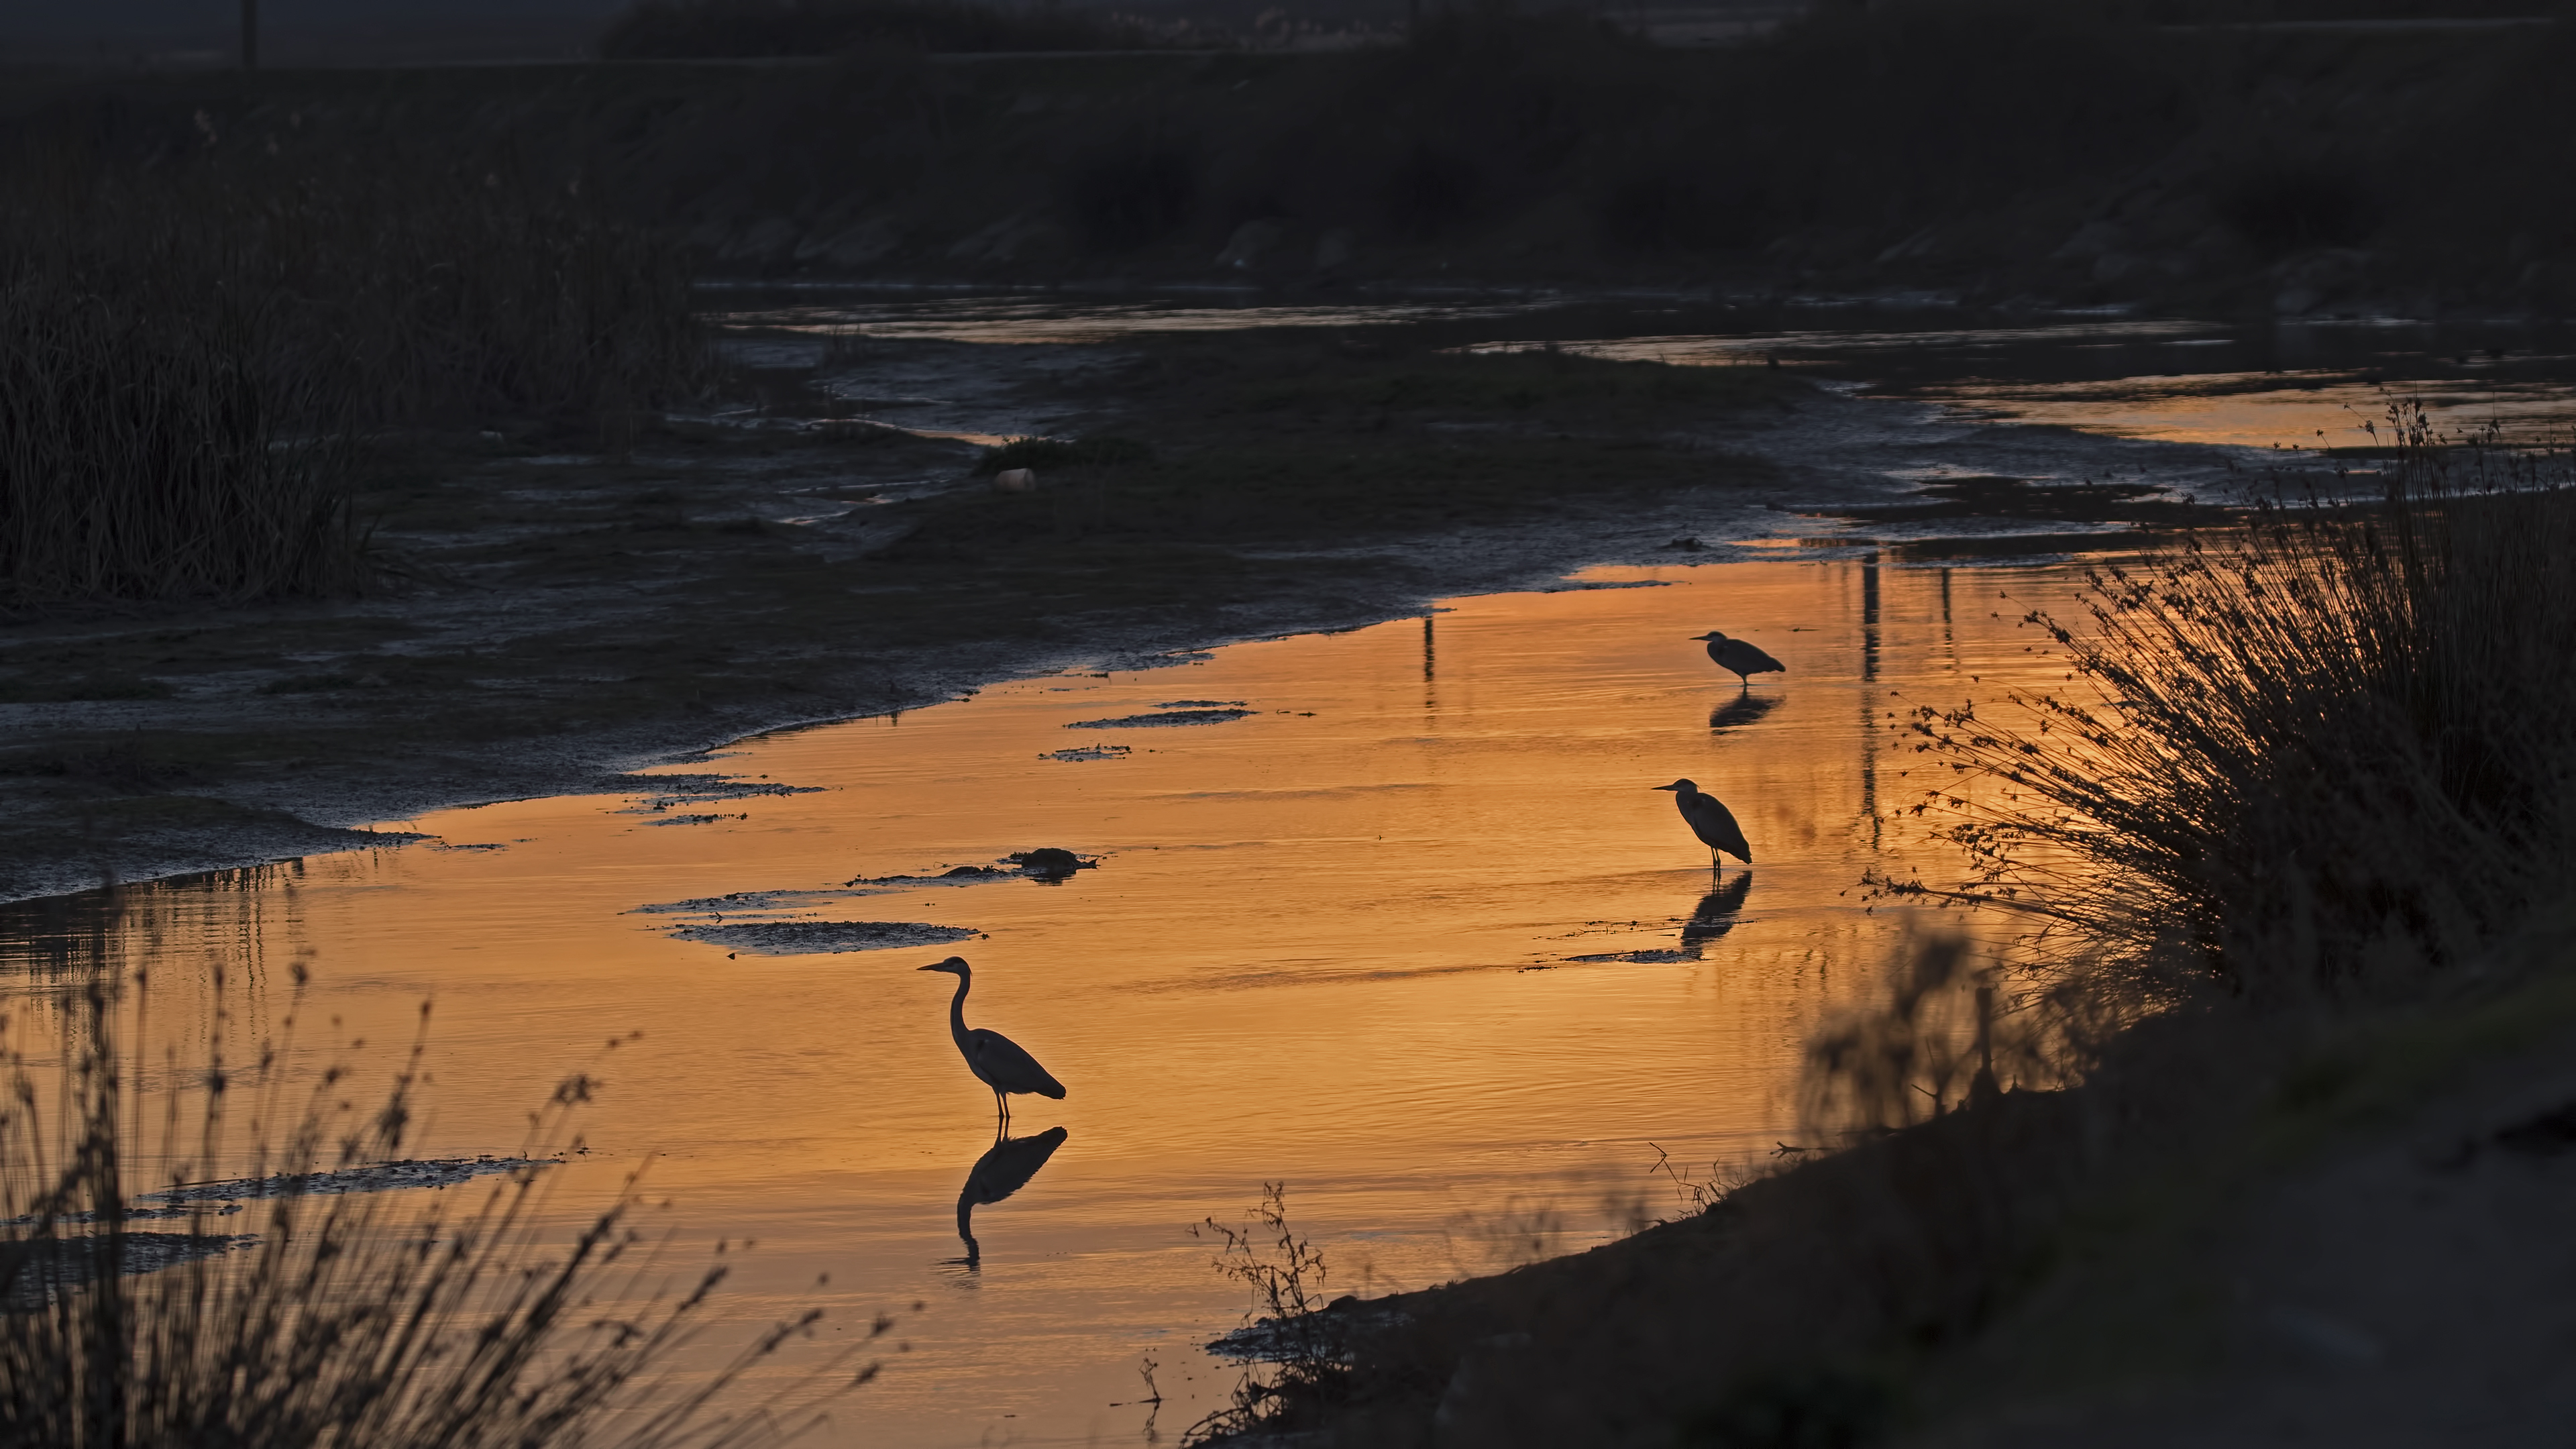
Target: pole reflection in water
{"type": "Point", "coordinates": [1005, 1168]}
{"type": "Point", "coordinates": [1400, 959]}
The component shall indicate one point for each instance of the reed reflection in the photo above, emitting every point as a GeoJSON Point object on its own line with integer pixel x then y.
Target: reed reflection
{"type": "Point", "coordinates": [1715, 915]}
{"type": "Point", "coordinates": [1004, 1169]}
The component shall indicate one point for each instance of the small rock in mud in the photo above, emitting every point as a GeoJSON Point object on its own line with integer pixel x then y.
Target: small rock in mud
{"type": "Point", "coordinates": [1091, 752]}
{"type": "Point", "coordinates": [817, 938]}
{"type": "Point", "coordinates": [1049, 861]}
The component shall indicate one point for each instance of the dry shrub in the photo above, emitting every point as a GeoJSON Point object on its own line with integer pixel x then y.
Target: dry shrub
{"type": "Point", "coordinates": [347, 1316]}
{"type": "Point", "coordinates": [1308, 1360]}
{"type": "Point", "coordinates": [2327, 754]}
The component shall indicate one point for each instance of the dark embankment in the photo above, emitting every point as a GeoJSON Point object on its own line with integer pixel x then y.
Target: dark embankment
{"type": "Point", "coordinates": [700, 29]}
{"type": "Point", "coordinates": [2066, 153]}
{"type": "Point", "coordinates": [2277, 887]}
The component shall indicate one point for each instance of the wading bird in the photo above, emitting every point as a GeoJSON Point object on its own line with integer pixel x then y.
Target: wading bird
{"type": "Point", "coordinates": [1709, 820]}
{"type": "Point", "coordinates": [996, 1060]}
{"type": "Point", "coordinates": [1739, 658]}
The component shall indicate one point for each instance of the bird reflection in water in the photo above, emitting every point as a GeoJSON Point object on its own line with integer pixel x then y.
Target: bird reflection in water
{"type": "Point", "coordinates": [1004, 1169]}
{"type": "Point", "coordinates": [1715, 915]}
{"type": "Point", "coordinates": [1742, 710]}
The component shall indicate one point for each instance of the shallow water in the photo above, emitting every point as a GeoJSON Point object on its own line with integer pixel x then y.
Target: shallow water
{"type": "Point", "coordinates": [1412, 934]}
{"type": "Point", "coordinates": [2297, 383]}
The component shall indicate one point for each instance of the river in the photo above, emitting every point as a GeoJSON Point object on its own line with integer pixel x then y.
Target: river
{"type": "Point", "coordinates": [1393, 917]}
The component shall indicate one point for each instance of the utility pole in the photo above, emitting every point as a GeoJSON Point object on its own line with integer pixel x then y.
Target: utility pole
{"type": "Point", "coordinates": [250, 34]}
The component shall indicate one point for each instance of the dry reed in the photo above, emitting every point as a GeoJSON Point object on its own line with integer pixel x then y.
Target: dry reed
{"type": "Point", "coordinates": [351, 1317]}
{"type": "Point", "coordinates": [193, 347]}
{"type": "Point", "coordinates": [2327, 754]}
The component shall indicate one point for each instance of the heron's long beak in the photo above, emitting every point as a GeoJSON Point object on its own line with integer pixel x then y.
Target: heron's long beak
{"type": "Point", "coordinates": [1659, 787]}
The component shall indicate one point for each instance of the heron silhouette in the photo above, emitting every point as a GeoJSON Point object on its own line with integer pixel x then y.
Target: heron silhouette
{"type": "Point", "coordinates": [996, 1060]}
{"type": "Point", "coordinates": [1711, 821]}
{"type": "Point", "coordinates": [1005, 1168]}
{"type": "Point", "coordinates": [1739, 658]}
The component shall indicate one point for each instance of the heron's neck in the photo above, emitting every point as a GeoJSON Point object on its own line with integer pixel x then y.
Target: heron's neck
{"type": "Point", "coordinates": [957, 1008]}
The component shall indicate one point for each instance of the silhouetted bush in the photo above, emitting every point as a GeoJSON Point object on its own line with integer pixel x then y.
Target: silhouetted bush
{"type": "Point", "coordinates": [694, 29]}
{"type": "Point", "coordinates": [2326, 756]}
{"type": "Point", "coordinates": [1133, 196]}
{"type": "Point", "coordinates": [1432, 191]}
{"type": "Point", "coordinates": [2289, 208]}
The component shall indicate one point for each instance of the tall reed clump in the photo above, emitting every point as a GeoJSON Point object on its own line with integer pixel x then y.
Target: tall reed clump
{"type": "Point", "coordinates": [344, 1317]}
{"type": "Point", "coordinates": [2326, 755]}
{"type": "Point", "coordinates": [193, 346]}
{"type": "Point", "coordinates": [143, 455]}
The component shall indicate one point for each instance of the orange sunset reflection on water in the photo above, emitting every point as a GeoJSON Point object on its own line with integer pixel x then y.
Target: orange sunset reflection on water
{"type": "Point", "coordinates": [1414, 935]}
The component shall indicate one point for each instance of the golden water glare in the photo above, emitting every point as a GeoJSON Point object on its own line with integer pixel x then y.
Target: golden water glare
{"type": "Point", "coordinates": [1408, 936]}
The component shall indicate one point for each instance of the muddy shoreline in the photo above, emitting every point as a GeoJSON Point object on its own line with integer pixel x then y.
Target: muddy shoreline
{"type": "Point", "coordinates": [555, 615]}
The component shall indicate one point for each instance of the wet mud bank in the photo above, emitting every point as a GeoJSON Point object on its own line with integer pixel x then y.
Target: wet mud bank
{"type": "Point", "coordinates": [548, 614]}
{"type": "Point", "coordinates": [2218, 1240]}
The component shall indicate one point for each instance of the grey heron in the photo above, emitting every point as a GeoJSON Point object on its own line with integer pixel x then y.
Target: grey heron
{"type": "Point", "coordinates": [996, 1060]}
{"type": "Point", "coordinates": [1709, 820]}
{"type": "Point", "coordinates": [1739, 658]}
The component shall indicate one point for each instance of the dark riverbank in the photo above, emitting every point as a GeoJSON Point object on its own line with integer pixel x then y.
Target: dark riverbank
{"type": "Point", "coordinates": [2234, 1235]}
{"type": "Point", "coordinates": [2000, 154]}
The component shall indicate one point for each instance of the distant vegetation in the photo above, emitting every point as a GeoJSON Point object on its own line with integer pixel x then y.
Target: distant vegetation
{"type": "Point", "coordinates": [707, 29]}
{"type": "Point", "coordinates": [194, 344]}
{"type": "Point", "coordinates": [1994, 149]}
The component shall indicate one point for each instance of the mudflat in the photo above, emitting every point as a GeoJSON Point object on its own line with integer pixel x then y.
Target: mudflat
{"type": "Point", "coordinates": [547, 611]}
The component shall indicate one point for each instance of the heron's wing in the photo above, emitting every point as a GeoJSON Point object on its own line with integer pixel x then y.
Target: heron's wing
{"type": "Point", "coordinates": [1764, 663]}
{"type": "Point", "coordinates": [1714, 824]}
{"type": "Point", "coordinates": [999, 1061]}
